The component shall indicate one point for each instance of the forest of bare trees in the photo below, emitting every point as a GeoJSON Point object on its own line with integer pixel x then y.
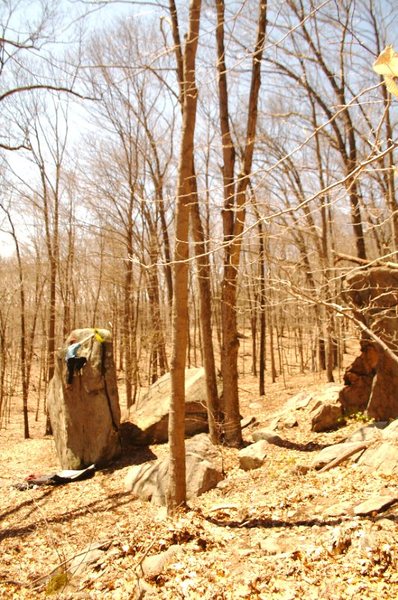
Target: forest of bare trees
{"type": "Point", "coordinates": [196, 178]}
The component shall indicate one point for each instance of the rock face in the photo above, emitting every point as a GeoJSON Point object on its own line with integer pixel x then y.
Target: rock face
{"type": "Point", "coordinates": [327, 412]}
{"type": "Point", "coordinates": [203, 471]}
{"type": "Point", "coordinates": [372, 380]}
{"type": "Point", "coordinates": [383, 458]}
{"type": "Point", "coordinates": [85, 415]}
{"type": "Point", "coordinates": [151, 412]}
{"type": "Point", "coordinates": [333, 453]}
{"type": "Point", "coordinates": [358, 380]}
{"type": "Point", "coordinates": [321, 408]}
{"type": "Point", "coordinates": [373, 447]}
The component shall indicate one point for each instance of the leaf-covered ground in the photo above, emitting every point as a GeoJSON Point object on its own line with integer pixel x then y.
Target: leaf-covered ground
{"type": "Point", "coordinates": [276, 532]}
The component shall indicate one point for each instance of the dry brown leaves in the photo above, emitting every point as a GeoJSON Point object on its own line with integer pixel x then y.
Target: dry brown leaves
{"type": "Point", "coordinates": [272, 533]}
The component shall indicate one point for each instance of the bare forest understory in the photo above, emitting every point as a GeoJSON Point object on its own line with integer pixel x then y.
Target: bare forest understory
{"type": "Point", "coordinates": [266, 533]}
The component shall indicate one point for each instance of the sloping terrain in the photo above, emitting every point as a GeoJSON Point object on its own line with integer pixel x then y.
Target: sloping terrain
{"type": "Point", "coordinates": [277, 532]}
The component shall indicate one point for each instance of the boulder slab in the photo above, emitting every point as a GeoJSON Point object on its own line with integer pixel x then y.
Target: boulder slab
{"type": "Point", "coordinates": [150, 414]}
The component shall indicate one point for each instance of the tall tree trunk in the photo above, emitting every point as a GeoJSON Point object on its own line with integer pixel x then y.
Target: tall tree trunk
{"type": "Point", "coordinates": [234, 218]}
{"type": "Point", "coordinates": [127, 333]}
{"type": "Point", "coordinates": [22, 338]}
{"type": "Point", "coordinates": [204, 279]}
{"type": "Point", "coordinates": [177, 485]}
{"type": "Point", "coordinates": [262, 299]}
{"type": "Point", "coordinates": [213, 407]}
{"type": "Point", "coordinates": [158, 364]}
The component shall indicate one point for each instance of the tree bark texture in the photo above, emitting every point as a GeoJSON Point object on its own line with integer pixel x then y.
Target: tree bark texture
{"type": "Point", "coordinates": [177, 483]}
{"type": "Point", "coordinates": [234, 219]}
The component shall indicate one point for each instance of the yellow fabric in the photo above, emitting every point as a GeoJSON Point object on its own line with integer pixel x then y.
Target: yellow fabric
{"type": "Point", "coordinates": [98, 336]}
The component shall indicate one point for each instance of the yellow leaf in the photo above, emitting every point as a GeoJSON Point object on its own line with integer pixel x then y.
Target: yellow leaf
{"type": "Point", "coordinates": [391, 85]}
{"type": "Point", "coordinates": [387, 63]}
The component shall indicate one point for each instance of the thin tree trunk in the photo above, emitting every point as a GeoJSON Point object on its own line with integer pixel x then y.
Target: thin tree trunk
{"type": "Point", "coordinates": [204, 271]}
{"type": "Point", "coordinates": [234, 219]}
{"type": "Point", "coordinates": [177, 484]}
{"type": "Point", "coordinates": [204, 275]}
{"type": "Point", "coordinates": [22, 339]}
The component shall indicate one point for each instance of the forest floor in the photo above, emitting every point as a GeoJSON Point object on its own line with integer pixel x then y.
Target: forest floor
{"type": "Point", "coordinates": [268, 533]}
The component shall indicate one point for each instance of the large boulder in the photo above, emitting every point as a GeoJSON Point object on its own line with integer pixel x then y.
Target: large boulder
{"type": "Point", "coordinates": [381, 458]}
{"type": "Point", "coordinates": [85, 414]}
{"type": "Point", "coordinates": [150, 414]}
{"type": "Point", "coordinates": [372, 380]}
{"type": "Point", "coordinates": [326, 414]}
{"type": "Point", "coordinates": [320, 408]}
{"type": "Point", "coordinates": [203, 471]}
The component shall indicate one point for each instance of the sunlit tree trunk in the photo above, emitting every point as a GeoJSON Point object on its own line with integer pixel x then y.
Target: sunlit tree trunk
{"type": "Point", "coordinates": [177, 485]}
{"type": "Point", "coordinates": [204, 272]}
{"type": "Point", "coordinates": [234, 217]}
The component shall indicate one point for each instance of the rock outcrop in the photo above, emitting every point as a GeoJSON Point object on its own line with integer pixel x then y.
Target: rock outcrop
{"type": "Point", "coordinates": [85, 414]}
{"type": "Point", "coordinates": [321, 408]}
{"type": "Point", "coordinates": [372, 380]}
{"type": "Point", "coordinates": [203, 471]}
{"type": "Point", "coordinates": [372, 447]}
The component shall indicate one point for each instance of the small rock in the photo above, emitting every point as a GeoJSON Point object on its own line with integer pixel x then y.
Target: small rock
{"type": "Point", "coordinates": [152, 566]}
{"type": "Point", "coordinates": [253, 456]}
{"type": "Point", "coordinates": [375, 504]}
{"type": "Point", "coordinates": [326, 417]}
{"type": "Point", "coordinates": [268, 435]}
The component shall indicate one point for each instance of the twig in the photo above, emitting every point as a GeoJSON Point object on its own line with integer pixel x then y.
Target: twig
{"type": "Point", "coordinates": [140, 561]}
{"type": "Point", "coordinates": [363, 261]}
{"type": "Point", "coordinates": [68, 560]}
{"type": "Point", "coordinates": [344, 456]}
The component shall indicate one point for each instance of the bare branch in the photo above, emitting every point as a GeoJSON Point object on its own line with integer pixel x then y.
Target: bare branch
{"type": "Point", "coordinates": [54, 88]}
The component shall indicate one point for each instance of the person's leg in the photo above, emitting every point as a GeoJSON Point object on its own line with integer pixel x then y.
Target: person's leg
{"type": "Point", "coordinates": [71, 369]}
{"type": "Point", "coordinates": [80, 362]}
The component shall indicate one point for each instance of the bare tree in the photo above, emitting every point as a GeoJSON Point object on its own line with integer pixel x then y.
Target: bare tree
{"type": "Point", "coordinates": [177, 485]}
{"type": "Point", "coordinates": [203, 264]}
{"type": "Point", "coordinates": [234, 215]}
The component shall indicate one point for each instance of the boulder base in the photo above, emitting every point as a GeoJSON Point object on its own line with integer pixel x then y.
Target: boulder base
{"type": "Point", "coordinates": [203, 472]}
{"type": "Point", "coordinates": [85, 415]}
